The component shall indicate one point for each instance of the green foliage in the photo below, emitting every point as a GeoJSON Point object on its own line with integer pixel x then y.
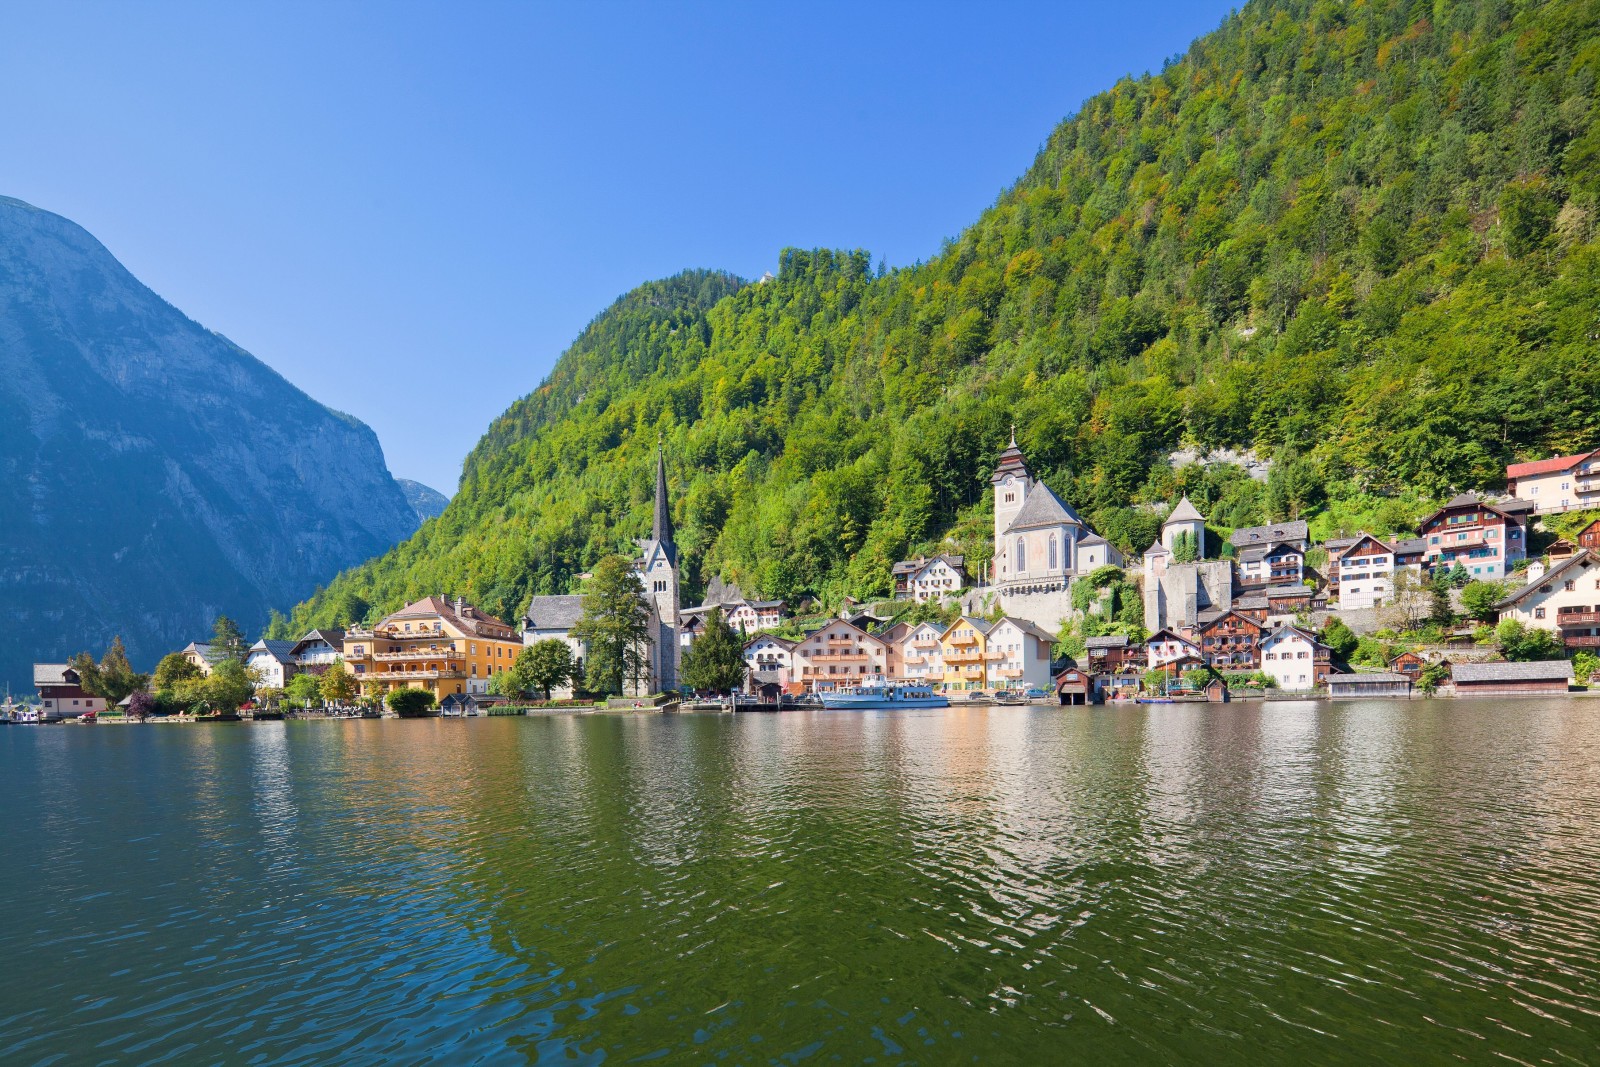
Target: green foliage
{"type": "Point", "coordinates": [304, 689]}
{"type": "Point", "coordinates": [410, 703]}
{"type": "Point", "coordinates": [1339, 638]}
{"type": "Point", "coordinates": [1519, 642]}
{"type": "Point", "coordinates": [544, 665]}
{"type": "Point", "coordinates": [337, 684]}
{"type": "Point", "coordinates": [113, 678]}
{"type": "Point", "coordinates": [715, 662]}
{"type": "Point", "coordinates": [1584, 664]}
{"type": "Point", "coordinates": [615, 627]}
{"type": "Point", "coordinates": [1185, 548]}
{"type": "Point", "coordinates": [1479, 598]}
{"type": "Point", "coordinates": [1355, 238]}
{"type": "Point", "coordinates": [228, 685]}
{"type": "Point", "coordinates": [1154, 680]}
{"type": "Point", "coordinates": [227, 639]}
{"type": "Point", "coordinates": [1432, 676]}
{"type": "Point", "coordinates": [1370, 652]}
{"type": "Point", "coordinates": [171, 672]}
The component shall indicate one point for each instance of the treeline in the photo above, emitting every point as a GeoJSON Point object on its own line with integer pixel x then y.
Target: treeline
{"type": "Point", "coordinates": [1358, 239]}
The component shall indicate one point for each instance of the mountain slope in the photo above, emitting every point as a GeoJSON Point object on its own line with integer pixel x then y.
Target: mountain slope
{"type": "Point", "coordinates": [1356, 238]}
{"type": "Point", "coordinates": [426, 501]}
{"type": "Point", "coordinates": [152, 473]}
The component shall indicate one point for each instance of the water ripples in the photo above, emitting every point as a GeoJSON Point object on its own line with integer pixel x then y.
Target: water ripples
{"type": "Point", "coordinates": [1362, 882]}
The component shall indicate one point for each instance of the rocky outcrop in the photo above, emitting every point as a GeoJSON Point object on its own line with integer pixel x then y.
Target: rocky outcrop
{"type": "Point", "coordinates": [153, 473]}
{"type": "Point", "coordinates": [425, 500]}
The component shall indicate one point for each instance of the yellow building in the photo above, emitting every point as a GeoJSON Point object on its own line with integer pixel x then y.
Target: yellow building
{"type": "Point", "coordinates": [446, 647]}
{"type": "Point", "coordinates": [966, 655]}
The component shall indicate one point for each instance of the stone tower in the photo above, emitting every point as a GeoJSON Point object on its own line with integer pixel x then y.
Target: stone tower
{"type": "Point", "coordinates": [1185, 519]}
{"type": "Point", "coordinates": [1011, 482]}
{"type": "Point", "coordinates": [658, 573]}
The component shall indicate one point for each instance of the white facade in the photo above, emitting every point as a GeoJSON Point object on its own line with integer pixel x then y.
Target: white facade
{"type": "Point", "coordinates": [936, 580]}
{"type": "Point", "coordinates": [839, 654]}
{"type": "Point", "coordinates": [1167, 647]}
{"type": "Point", "coordinates": [1565, 600]}
{"type": "Point", "coordinates": [922, 655]}
{"type": "Point", "coordinates": [318, 648]}
{"type": "Point", "coordinates": [1290, 656]}
{"type": "Point", "coordinates": [1018, 655]}
{"type": "Point", "coordinates": [771, 657]}
{"type": "Point", "coordinates": [270, 663]}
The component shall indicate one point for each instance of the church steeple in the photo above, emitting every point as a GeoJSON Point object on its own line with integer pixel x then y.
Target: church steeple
{"type": "Point", "coordinates": [661, 529]}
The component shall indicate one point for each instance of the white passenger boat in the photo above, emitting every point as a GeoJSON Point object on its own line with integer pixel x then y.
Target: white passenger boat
{"type": "Point", "coordinates": [868, 697]}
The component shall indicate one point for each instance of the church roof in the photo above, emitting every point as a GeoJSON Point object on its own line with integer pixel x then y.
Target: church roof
{"type": "Point", "coordinates": [1043, 508]}
{"type": "Point", "coordinates": [560, 612]}
{"type": "Point", "coordinates": [1158, 549]}
{"type": "Point", "coordinates": [1184, 512]}
{"type": "Point", "coordinates": [661, 525]}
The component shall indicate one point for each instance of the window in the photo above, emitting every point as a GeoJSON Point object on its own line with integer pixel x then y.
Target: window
{"type": "Point", "coordinates": [1571, 585]}
{"type": "Point", "coordinates": [1538, 613]}
{"type": "Point", "coordinates": [1052, 558]}
{"type": "Point", "coordinates": [1022, 554]}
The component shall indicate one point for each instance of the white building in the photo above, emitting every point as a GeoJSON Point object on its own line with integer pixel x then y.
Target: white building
{"type": "Point", "coordinates": [551, 618]}
{"type": "Point", "coordinates": [1164, 647]}
{"type": "Point", "coordinates": [1295, 659]}
{"type": "Point", "coordinates": [1040, 544]}
{"type": "Point", "coordinates": [1362, 571]}
{"type": "Point", "coordinates": [1565, 483]}
{"type": "Point", "coordinates": [319, 648]}
{"type": "Point", "coordinates": [922, 655]}
{"type": "Point", "coordinates": [271, 663]}
{"type": "Point", "coordinates": [839, 654]}
{"type": "Point", "coordinates": [1564, 600]}
{"type": "Point", "coordinates": [1271, 555]}
{"type": "Point", "coordinates": [769, 660]}
{"type": "Point", "coordinates": [1018, 654]}
{"type": "Point", "coordinates": [929, 578]}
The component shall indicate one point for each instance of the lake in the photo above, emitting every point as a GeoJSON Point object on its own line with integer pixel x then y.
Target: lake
{"type": "Point", "coordinates": [1402, 882]}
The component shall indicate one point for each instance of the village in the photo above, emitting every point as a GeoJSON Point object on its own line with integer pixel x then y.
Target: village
{"type": "Point", "coordinates": [1265, 613]}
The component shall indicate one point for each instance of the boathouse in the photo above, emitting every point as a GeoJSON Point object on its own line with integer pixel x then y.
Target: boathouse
{"type": "Point", "coordinates": [1512, 679]}
{"type": "Point", "coordinates": [1368, 685]}
{"type": "Point", "coordinates": [1074, 687]}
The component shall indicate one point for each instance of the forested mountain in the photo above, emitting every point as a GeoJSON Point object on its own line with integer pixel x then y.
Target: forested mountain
{"type": "Point", "coordinates": [152, 473]}
{"type": "Point", "coordinates": [1358, 238]}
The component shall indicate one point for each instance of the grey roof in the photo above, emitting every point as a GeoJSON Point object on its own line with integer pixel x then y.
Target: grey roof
{"type": "Point", "coordinates": [1515, 506]}
{"type": "Point", "coordinates": [282, 651]}
{"type": "Point", "coordinates": [911, 566]}
{"type": "Point", "coordinates": [1582, 559]}
{"type": "Point", "coordinates": [1341, 542]}
{"type": "Point", "coordinates": [1463, 500]}
{"type": "Point", "coordinates": [1108, 641]}
{"type": "Point", "coordinates": [205, 650]}
{"type": "Point", "coordinates": [1410, 546]}
{"type": "Point", "coordinates": [1184, 512]}
{"type": "Point", "coordinates": [1028, 628]}
{"type": "Point", "coordinates": [1552, 670]}
{"type": "Point", "coordinates": [774, 638]}
{"type": "Point", "coordinates": [1043, 508]}
{"type": "Point", "coordinates": [553, 612]}
{"type": "Point", "coordinates": [52, 674]}
{"type": "Point", "coordinates": [1093, 539]}
{"type": "Point", "coordinates": [1253, 553]}
{"type": "Point", "coordinates": [1249, 603]}
{"type": "Point", "coordinates": [333, 637]}
{"type": "Point", "coordinates": [1285, 628]}
{"type": "Point", "coordinates": [1297, 530]}
{"type": "Point", "coordinates": [1158, 549]}
{"type": "Point", "coordinates": [1286, 591]}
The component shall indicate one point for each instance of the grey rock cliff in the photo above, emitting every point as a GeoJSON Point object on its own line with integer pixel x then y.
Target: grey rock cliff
{"type": "Point", "coordinates": [153, 473]}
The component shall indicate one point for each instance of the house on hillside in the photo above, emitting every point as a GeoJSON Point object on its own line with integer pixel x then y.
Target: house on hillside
{"type": "Point", "coordinates": [769, 665]}
{"type": "Point", "coordinates": [203, 656]}
{"type": "Point", "coordinates": [1231, 640]}
{"type": "Point", "coordinates": [61, 692]}
{"type": "Point", "coordinates": [837, 655]}
{"type": "Point", "coordinates": [318, 650]}
{"type": "Point", "coordinates": [1167, 649]}
{"type": "Point", "coordinates": [441, 645]}
{"type": "Point", "coordinates": [1361, 573]}
{"type": "Point", "coordinates": [1563, 483]}
{"type": "Point", "coordinates": [1487, 539]}
{"type": "Point", "coordinates": [929, 578]}
{"type": "Point", "coordinates": [1017, 655]}
{"type": "Point", "coordinates": [922, 655]}
{"type": "Point", "coordinates": [1564, 600]}
{"type": "Point", "coordinates": [1271, 555]}
{"type": "Point", "coordinates": [963, 646]}
{"type": "Point", "coordinates": [1104, 655]}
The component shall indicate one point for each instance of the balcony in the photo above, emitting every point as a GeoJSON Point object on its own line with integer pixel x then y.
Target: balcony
{"type": "Point", "coordinates": [973, 656]}
{"type": "Point", "coordinates": [1581, 640]}
{"type": "Point", "coordinates": [1579, 618]}
{"type": "Point", "coordinates": [1011, 672]}
{"type": "Point", "coordinates": [416, 653]}
{"type": "Point", "coordinates": [930, 643]}
{"type": "Point", "coordinates": [964, 640]}
{"type": "Point", "coordinates": [388, 676]}
{"type": "Point", "coordinates": [841, 657]}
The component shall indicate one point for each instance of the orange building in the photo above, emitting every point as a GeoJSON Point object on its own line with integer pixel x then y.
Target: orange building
{"type": "Point", "coordinates": [446, 647]}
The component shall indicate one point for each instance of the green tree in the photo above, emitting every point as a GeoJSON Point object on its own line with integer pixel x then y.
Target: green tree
{"type": "Point", "coordinates": [173, 670]}
{"type": "Point", "coordinates": [228, 685]}
{"type": "Point", "coordinates": [1584, 664]}
{"type": "Point", "coordinates": [546, 665]}
{"type": "Point", "coordinates": [304, 689]}
{"type": "Point", "coordinates": [113, 678]}
{"type": "Point", "coordinates": [338, 685]}
{"type": "Point", "coordinates": [1479, 598]}
{"type": "Point", "coordinates": [1520, 643]}
{"type": "Point", "coordinates": [227, 639]}
{"type": "Point", "coordinates": [1185, 548]}
{"type": "Point", "coordinates": [410, 702]}
{"type": "Point", "coordinates": [615, 627]}
{"type": "Point", "coordinates": [1339, 638]}
{"type": "Point", "coordinates": [715, 662]}
{"type": "Point", "coordinates": [1528, 209]}
{"type": "Point", "coordinates": [1440, 612]}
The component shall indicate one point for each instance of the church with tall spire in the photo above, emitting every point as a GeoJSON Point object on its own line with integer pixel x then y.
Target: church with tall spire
{"type": "Point", "coordinates": [657, 568]}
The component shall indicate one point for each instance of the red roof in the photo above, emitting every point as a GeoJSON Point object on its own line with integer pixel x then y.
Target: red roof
{"type": "Point", "coordinates": [1545, 466]}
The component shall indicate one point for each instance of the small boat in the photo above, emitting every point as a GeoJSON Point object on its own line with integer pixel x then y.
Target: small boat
{"type": "Point", "coordinates": [1007, 696]}
{"type": "Point", "coordinates": [871, 697]}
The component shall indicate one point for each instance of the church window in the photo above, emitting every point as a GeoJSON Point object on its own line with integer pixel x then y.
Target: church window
{"type": "Point", "coordinates": [1052, 552]}
{"type": "Point", "coordinates": [1022, 554]}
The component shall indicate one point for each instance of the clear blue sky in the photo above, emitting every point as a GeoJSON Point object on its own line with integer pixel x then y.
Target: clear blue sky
{"type": "Point", "coordinates": [410, 210]}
